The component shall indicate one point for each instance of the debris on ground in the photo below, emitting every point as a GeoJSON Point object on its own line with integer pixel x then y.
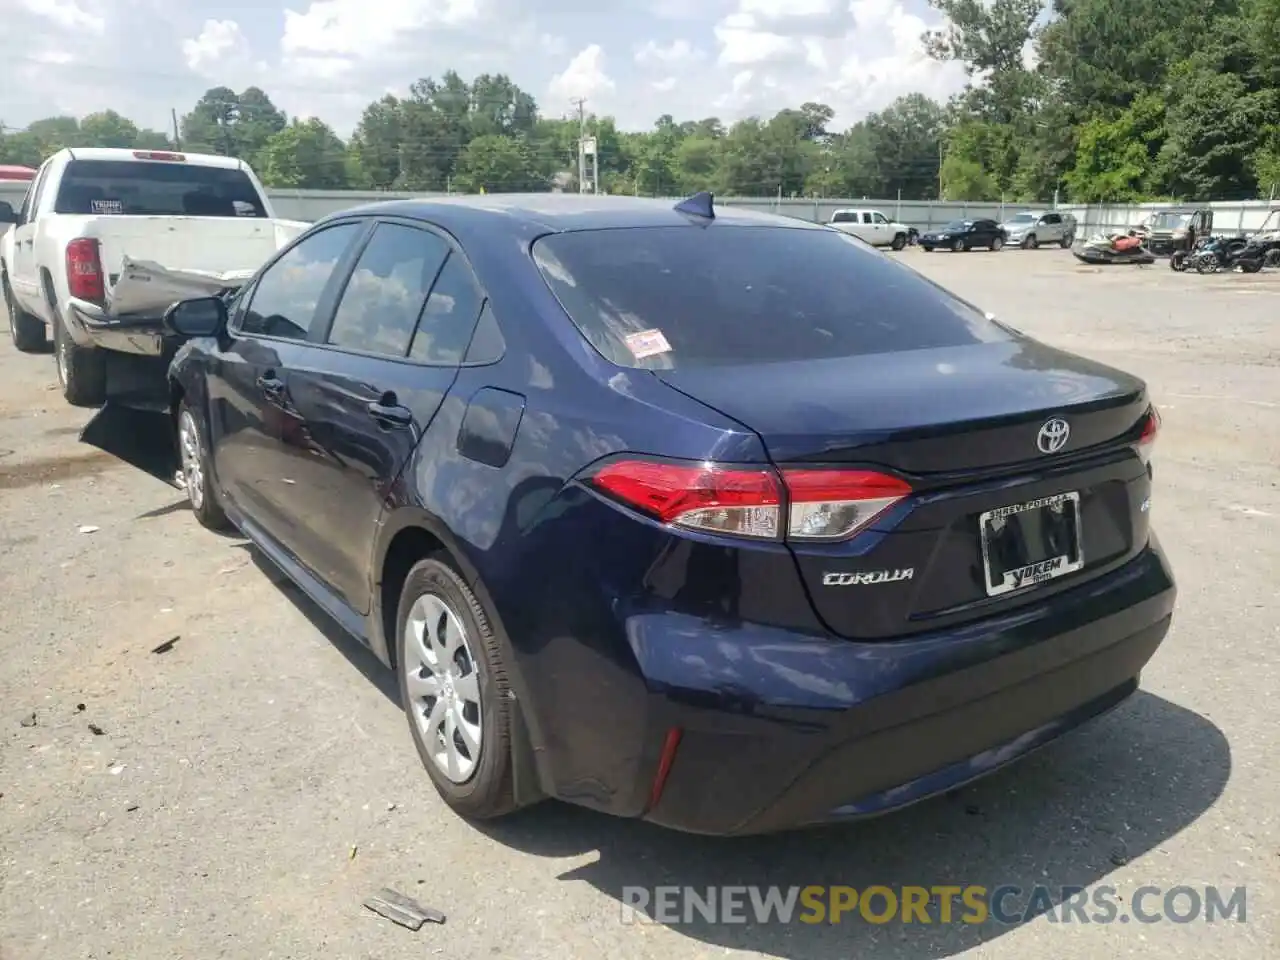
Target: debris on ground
{"type": "Point", "coordinates": [29, 720]}
{"type": "Point", "coordinates": [89, 528]}
{"type": "Point", "coordinates": [167, 645]}
{"type": "Point", "coordinates": [352, 854]}
{"type": "Point", "coordinates": [131, 807]}
{"type": "Point", "coordinates": [96, 730]}
{"type": "Point", "coordinates": [80, 708]}
{"type": "Point", "coordinates": [400, 909]}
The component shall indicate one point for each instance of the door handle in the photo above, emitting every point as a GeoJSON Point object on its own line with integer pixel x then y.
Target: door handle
{"type": "Point", "coordinates": [271, 385]}
{"type": "Point", "coordinates": [389, 414]}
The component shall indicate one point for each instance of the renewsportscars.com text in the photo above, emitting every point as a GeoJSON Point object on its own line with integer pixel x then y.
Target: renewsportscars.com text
{"type": "Point", "coordinates": [939, 904]}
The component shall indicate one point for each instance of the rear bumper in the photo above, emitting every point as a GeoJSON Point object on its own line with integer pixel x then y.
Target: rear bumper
{"type": "Point", "coordinates": [92, 327]}
{"type": "Point", "coordinates": [781, 731]}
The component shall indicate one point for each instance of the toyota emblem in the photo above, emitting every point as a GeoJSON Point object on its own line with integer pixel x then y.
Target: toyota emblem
{"type": "Point", "coordinates": [1053, 435]}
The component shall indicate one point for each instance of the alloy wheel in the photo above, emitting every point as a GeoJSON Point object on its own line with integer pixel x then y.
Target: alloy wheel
{"type": "Point", "coordinates": [189, 447]}
{"type": "Point", "coordinates": [443, 682]}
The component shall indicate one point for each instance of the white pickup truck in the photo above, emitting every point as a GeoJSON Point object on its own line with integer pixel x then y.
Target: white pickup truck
{"type": "Point", "coordinates": [872, 226]}
{"type": "Point", "coordinates": [107, 238]}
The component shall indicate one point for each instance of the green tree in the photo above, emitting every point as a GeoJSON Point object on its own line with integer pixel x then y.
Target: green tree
{"type": "Point", "coordinates": [496, 163]}
{"type": "Point", "coordinates": [306, 154]}
{"type": "Point", "coordinates": [108, 129]}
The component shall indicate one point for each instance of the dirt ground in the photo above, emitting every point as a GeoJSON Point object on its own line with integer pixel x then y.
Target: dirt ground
{"type": "Point", "coordinates": [240, 794]}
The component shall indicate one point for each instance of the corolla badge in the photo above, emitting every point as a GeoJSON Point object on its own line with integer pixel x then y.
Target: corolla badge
{"type": "Point", "coordinates": [1053, 435]}
{"type": "Point", "coordinates": [869, 576]}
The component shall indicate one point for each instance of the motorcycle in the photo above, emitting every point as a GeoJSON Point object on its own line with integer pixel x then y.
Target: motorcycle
{"type": "Point", "coordinates": [1215, 254]}
{"type": "Point", "coordinates": [1114, 248]}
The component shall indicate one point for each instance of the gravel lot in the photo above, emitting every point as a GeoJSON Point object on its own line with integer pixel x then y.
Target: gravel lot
{"type": "Point", "coordinates": [241, 794]}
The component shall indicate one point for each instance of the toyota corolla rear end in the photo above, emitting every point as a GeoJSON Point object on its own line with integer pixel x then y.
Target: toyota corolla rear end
{"type": "Point", "coordinates": [940, 560]}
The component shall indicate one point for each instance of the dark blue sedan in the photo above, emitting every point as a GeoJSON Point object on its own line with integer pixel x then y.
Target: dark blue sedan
{"type": "Point", "coordinates": [705, 516]}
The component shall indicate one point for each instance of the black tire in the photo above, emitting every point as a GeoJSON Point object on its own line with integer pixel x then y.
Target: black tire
{"type": "Point", "coordinates": [899, 241]}
{"type": "Point", "coordinates": [926, 249]}
{"type": "Point", "coordinates": [1250, 266]}
{"type": "Point", "coordinates": [82, 371]}
{"type": "Point", "coordinates": [489, 791]}
{"type": "Point", "coordinates": [1067, 240]}
{"type": "Point", "coordinates": [197, 474]}
{"type": "Point", "coordinates": [25, 330]}
{"type": "Point", "coordinates": [958, 245]}
{"type": "Point", "coordinates": [1029, 242]}
{"type": "Point", "coordinates": [1178, 262]}
{"type": "Point", "coordinates": [1271, 258]}
{"type": "Point", "coordinates": [996, 244]}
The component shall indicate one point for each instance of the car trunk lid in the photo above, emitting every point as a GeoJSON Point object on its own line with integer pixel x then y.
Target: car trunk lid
{"type": "Point", "coordinates": [966, 427]}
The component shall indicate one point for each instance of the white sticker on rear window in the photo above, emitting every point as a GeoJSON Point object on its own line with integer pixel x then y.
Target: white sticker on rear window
{"type": "Point", "coordinates": [647, 343]}
{"type": "Point", "coordinates": [106, 206]}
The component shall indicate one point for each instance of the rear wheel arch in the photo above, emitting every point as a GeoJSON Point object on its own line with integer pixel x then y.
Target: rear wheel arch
{"type": "Point", "coordinates": [413, 535]}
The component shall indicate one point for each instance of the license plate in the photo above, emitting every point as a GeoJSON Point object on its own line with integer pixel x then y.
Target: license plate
{"type": "Point", "coordinates": [1030, 543]}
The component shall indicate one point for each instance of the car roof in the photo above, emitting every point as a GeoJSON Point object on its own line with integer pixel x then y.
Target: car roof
{"type": "Point", "coordinates": [558, 212]}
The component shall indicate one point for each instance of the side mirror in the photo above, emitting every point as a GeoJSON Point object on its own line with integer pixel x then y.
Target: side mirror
{"type": "Point", "coordinates": [198, 317]}
{"type": "Point", "coordinates": [7, 214]}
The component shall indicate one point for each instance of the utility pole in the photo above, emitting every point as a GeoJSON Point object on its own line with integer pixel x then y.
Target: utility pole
{"type": "Point", "coordinates": [581, 104]}
{"type": "Point", "coordinates": [177, 140]}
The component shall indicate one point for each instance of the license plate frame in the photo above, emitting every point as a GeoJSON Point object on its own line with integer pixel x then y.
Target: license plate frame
{"type": "Point", "coordinates": [1031, 575]}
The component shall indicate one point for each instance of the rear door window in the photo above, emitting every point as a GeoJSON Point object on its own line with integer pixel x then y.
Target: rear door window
{"type": "Point", "coordinates": [672, 297]}
{"type": "Point", "coordinates": [156, 188]}
{"type": "Point", "coordinates": [380, 306]}
{"type": "Point", "coordinates": [449, 316]}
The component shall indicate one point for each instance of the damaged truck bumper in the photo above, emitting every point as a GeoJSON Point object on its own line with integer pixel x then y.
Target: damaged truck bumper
{"type": "Point", "coordinates": [129, 327]}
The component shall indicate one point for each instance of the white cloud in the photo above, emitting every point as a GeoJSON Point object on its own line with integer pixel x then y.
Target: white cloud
{"type": "Point", "coordinates": [675, 53]}
{"type": "Point", "coordinates": [218, 42]}
{"type": "Point", "coordinates": [329, 58]}
{"type": "Point", "coordinates": [585, 76]}
{"type": "Point", "coordinates": [67, 14]}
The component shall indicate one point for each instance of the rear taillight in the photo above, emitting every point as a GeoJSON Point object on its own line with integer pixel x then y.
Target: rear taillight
{"type": "Point", "coordinates": [750, 501]}
{"type": "Point", "coordinates": [84, 270]}
{"type": "Point", "coordinates": [705, 496]}
{"type": "Point", "coordinates": [835, 504]}
{"type": "Point", "coordinates": [1147, 439]}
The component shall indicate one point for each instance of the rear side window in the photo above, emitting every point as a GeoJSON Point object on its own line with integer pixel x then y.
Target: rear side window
{"type": "Point", "coordinates": [380, 306]}
{"type": "Point", "coordinates": [156, 187]}
{"type": "Point", "coordinates": [672, 297]}
{"type": "Point", "coordinates": [844, 216]}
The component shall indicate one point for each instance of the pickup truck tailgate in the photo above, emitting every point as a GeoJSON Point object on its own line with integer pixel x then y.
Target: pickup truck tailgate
{"type": "Point", "coordinates": [213, 244]}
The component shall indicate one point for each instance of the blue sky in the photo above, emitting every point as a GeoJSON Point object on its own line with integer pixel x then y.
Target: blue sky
{"type": "Point", "coordinates": [328, 58]}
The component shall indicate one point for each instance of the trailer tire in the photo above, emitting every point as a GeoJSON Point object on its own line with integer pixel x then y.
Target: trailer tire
{"type": "Point", "coordinates": [82, 371]}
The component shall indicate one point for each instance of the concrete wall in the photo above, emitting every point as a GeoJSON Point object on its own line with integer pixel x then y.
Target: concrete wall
{"type": "Point", "coordinates": [922, 214]}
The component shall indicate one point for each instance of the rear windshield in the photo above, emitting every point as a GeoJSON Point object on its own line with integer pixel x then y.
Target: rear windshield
{"type": "Point", "coordinates": [679, 297]}
{"type": "Point", "coordinates": [142, 187]}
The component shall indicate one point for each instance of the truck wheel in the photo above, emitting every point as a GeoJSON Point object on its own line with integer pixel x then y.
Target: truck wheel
{"type": "Point", "coordinates": [1067, 240]}
{"type": "Point", "coordinates": [82, 372]}
{"type": "Point", "coordinates": [1030, 242]}
{"type": "Point", "coordinates": [197, 477]}
{"type": "Point", "coordinates": [26, 330]}
{"type": "Point", "coordinates": [899, 241]}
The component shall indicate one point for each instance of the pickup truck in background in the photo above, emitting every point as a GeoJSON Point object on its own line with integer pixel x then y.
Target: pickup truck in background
{"type": "Point", "coordinates": [873, 227]}
{"type": "Point", "coordinates": [107, 239]}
